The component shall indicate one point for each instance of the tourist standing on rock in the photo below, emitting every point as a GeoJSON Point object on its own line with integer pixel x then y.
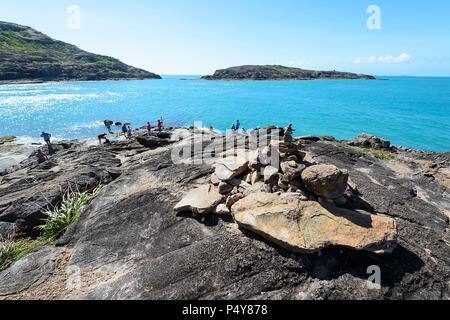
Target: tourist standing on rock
{"type": "Point", "coordinates": [41, 157]}
{"type": "Point", "coordinates": [149, 127]}
{"type": "Point", "coordinates": [124, 130]}
{"type": "Point", "coordinates": [211, 128]}
{"type": "Point", "coordinates": [46, 137]}
{"type": "Point", "coordinates": [129, 132]}
{"type": "Point", "coordinates": [108, 126]}
{"type": "Point", "coordinates": [237, 125]}
{"type": "Point", "coordinates": [159, 125]}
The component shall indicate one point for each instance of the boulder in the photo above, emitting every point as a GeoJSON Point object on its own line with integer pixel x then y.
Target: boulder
{"type": "Point", "coordinates": [255, 177]}
{"type": "Point", "coordinates": [239, 183]}
{"type": "Point", "coordinates": [326, 181]}
{"type": "Point", "coordinates": [231, 166]}
{"type": "Point", "coordinates": [258, 187]}
{"type": "Point", "coordinates": [225, 188]}
{"type": "Point", "coordinates": [221, 209]}
{"type": "Point", "coordinates": [305, 157]}
{"type": "Point", "coordinates": [283, 147]}
{"type": "Point", "coordinates": [307, 226]}
{"type": "Point", "coordinates": [270, 173]}
{"type": "Point", "coordinates": [369, 141]}
{"type": "Point", "coordinates": [214, 179]}
{"type": "Point", "coordinates": [233, 199]}
{"type": "Point", "coordinates": [291, 170]}
{"type": "Point", "coordinates": [200, 200]}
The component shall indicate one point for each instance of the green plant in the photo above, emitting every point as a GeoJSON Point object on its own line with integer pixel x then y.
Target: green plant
{"type": "Point", "coordinates": [58, 219]}
{"type": "Point", "coordinates": [379, 154]}
{"type": "Point", "coordinates": [68, 211]}
{"type": "Point", "coordinates": [12, 250]}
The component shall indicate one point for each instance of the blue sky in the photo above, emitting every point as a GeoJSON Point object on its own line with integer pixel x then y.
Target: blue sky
{"type": "Point", "coordinates": [200, 36]}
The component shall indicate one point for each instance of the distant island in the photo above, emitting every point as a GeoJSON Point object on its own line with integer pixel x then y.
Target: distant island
{"type": "Point", "coordinates": [276, 72]}
{"type": "Point", "coordinates": [27, 55]}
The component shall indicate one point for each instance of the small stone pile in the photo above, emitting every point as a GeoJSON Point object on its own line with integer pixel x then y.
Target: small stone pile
{"type": "Point", "coordinates": [279, 192]}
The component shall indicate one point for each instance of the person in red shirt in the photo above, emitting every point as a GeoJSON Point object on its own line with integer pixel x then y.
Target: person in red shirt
{"type": "Point", "coordinates": [159, 126]}
{"type": "Point", "coordinates": [149, 127]}
{"type": "Point", "coordinates": [100, 137]}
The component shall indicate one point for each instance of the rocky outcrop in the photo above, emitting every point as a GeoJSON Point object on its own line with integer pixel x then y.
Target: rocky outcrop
{"type": "Point", "coordinates": [282, 218]}
{"type": "Point", "coordinates": [27, 55]}
{"type": "Point", "coordinates": [130, 244]}
{"type": "Point", "coordinates": [370, 141]}
{"type": "Point", "coordinates": [275, 72]}
{"type": "Point", "coordinates": [30, 190]}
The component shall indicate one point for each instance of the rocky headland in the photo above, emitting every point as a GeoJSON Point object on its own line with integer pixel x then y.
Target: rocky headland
{"type": "Point", "coordinates": [276, 72]}
{"type": "Point", "coordinates": [29, 56]}
{"type": "Point", "coordinates": [257, 216]}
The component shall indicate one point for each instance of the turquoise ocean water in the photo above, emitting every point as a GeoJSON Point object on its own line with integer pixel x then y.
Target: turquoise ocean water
{"type": "Point", "coordinates": [408, 111]}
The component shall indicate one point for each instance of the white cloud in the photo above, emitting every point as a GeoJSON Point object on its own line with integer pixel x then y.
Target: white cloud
{"type": "Point", "coordinates": [404, 57]}
{"type": "Point", "coordinates": [365, 60]}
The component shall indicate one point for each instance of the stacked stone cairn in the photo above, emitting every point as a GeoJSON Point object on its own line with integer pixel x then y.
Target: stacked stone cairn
{"type": "Point", "coordinates": [279, 192]}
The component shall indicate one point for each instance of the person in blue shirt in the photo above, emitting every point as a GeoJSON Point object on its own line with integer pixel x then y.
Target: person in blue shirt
{"type": "Point", "coordinates": [237, 125]}
{"type": "Point", "coordinates": [108, 126]}
{"type": "Point", "coordinates": [46, 137]}
{"type": "Point", "coordinates": [124, 130]}
{"type": "Point", "coordinates": [233, 127]}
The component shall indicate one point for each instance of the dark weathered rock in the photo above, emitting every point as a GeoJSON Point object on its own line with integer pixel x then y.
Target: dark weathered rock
{"type": "Point", "coordinates": [225, 188]}
{"type": "Point", "coordinates": [152, 142]}
{"type": "Point", "coordinates": [26, 193]}
{"type": "Point", "coordinates": [130, 244]}
{"type": "Point", "coordinates": [291, 170]}
{"type": "Point", "coordinates": [370, 141]}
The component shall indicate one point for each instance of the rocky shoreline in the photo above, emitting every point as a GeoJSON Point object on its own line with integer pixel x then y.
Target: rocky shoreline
{"type": "Point", "coordinates": [231, 224]}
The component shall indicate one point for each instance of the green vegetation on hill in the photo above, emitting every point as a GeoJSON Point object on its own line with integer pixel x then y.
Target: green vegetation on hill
{"type": "Point", "coordinates": [28, 55]}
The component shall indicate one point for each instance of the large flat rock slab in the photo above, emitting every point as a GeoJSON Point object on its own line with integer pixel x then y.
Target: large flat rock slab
{"type": "Point", "coordinates": [202, 199]}
{"type": "Point", "coordinates": [308, 226]}
{"type": "Point", "coordinates": [232, 164]}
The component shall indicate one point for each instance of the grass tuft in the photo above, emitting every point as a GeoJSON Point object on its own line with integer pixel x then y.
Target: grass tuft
{"type": "Point", "coordinates": [379, 154]}
{"type": "Point", "coordinates": [68, 211]}
{"type": "Point", "coordinates": [12, 250]}
{"type": "Point", "coordinates": [57, 221]}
